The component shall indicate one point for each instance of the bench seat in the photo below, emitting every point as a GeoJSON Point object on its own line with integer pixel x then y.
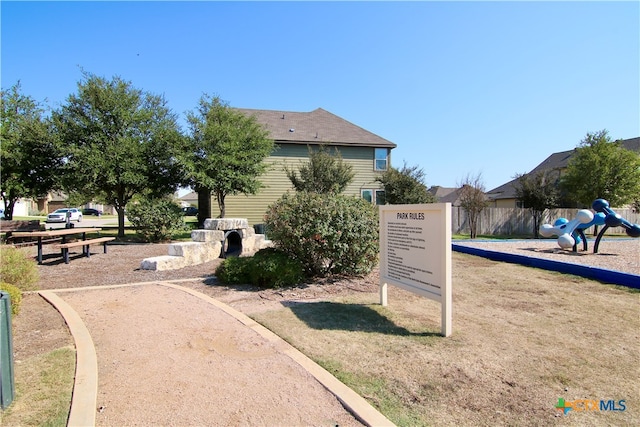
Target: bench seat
{"type": "Point", "coordinates": [7, 227]}
{"type": "Point", "coordinates": [85, 246]}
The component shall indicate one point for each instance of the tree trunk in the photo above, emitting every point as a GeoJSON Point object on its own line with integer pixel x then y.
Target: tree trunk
{"type": "Point", "coordinates": [537, 218]}
{"type": "Point", "coordinates": [8, 208]}
{"type": "Point", "coordinates": [220, 197]}
{"type": "Point", "coordinates": [473, 226]}
{"type": "Point", "coordinates": [120, 211]}
{"type": "Point", "coordinates": [204, 205]}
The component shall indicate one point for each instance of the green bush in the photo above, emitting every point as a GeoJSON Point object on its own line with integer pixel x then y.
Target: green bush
{"type": "Point", "coordinates": [234, 271]}
{"type": "Point", "coordinates": [327, 234]}
{"type": "Point", "coordinates": [17, 269]}
{"type": "Point", "coordinates": [268, 268]}
{"type": "Point", "coordinates": [271, 268]}
{"type": "Point", "coordinates": [16, 296]}
{"type": "Point", "coordinates": [156, 220]}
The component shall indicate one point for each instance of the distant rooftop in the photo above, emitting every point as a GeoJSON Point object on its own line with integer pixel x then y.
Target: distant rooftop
{"type": "Point", "coordinates": [555, 161]}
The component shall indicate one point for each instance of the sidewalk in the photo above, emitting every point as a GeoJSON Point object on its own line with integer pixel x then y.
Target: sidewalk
{"type": "Point", "coordinates": [160, 354]}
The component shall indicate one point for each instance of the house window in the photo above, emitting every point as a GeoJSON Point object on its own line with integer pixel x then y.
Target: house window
{"type": "Point", "coordinates": [381, 159]}
{"type": "Point", "coordinates": [373, 196]}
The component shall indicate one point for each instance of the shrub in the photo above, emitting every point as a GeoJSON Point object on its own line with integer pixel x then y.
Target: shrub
{"type": "Point", "coordinates": [234, 271]}
{"type": "Point", "coordinates": [268, 268]}
{"type": "Point", "coordinates": [16, 296]}
{"type": "Point", "coordinates": [327, 234]}
{"type": "Point", "coordinates": [156, 220]}
{"type": "Point", "coordinates": [271, 268]}
{"type": "Point", "coordinates": [17, 269]}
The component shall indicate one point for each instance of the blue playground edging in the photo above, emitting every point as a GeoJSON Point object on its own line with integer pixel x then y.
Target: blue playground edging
{"type": "Point", "coordinates": [600, 274]}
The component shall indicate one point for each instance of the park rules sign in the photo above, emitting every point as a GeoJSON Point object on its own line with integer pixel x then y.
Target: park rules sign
{"type": "Point", "coordinates": [415, 253]}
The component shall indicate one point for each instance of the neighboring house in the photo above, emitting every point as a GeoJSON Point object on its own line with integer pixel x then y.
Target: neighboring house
{"type": "Point", "coordinates": [293, 134]}
{"type": "Point", "coordinates": [58, 199]}
{"type": "Point", "coordinates": [22, 207]}
{"type": "Point", "coordinates": [446, 194]}
{"type": "Point", "coordinates": [54, 200]}
{"type": "Point", "coordinates": [504, 196]}
{"type": "Point", "coordinates": [189, 199]}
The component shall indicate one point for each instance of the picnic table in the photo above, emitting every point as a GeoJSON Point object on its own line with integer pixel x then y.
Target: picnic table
{"type": "Point", "coordinates": [64, 233]}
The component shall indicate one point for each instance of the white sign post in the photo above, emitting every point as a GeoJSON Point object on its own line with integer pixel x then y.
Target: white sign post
{"type": "Point", "coordinates": [415, 253]}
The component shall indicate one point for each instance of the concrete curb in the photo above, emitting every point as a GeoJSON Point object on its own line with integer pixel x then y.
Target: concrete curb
{"type": "Point", "coordinates": [83, 409]}
{"type": "Point", "coordinates": [85, 388]}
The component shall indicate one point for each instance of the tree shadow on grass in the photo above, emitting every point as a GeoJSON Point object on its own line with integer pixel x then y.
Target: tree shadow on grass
{"type": "Point", "coordinates": [348, 317]}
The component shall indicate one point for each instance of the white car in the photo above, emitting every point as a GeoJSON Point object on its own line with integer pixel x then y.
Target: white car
{"type": "Point", "coordinates": [60, 215]}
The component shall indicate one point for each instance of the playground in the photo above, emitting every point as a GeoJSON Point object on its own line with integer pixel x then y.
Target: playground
{"type": "Point", "coordinates": [522, 337]}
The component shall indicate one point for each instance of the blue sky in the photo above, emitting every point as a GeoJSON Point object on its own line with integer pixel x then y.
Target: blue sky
{"type": "Point", "coordinates": [461, 87]}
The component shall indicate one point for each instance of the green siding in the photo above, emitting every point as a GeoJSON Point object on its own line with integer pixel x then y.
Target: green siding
{"type": "Point", "coordinates": [276, 183]}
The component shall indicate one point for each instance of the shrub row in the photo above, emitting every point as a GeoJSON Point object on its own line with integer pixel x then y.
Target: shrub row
{"type": "Point", "coordinates": [268, 268]}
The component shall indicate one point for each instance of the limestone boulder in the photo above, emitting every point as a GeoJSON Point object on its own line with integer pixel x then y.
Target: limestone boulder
{"type": "Point", "coordinates": [207, 236]}
{"type": "Point", "coordinates": [161, 263]}
{"type": "Point", "coordinates": [225, 223]}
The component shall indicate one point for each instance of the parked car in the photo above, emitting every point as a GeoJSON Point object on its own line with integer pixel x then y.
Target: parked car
{"type": "Point", "coordinates": [190, 211]}
{"type": "Point", "coordinates": [91, 211]}
{"type": "Point", "coordinates": [60, 215]}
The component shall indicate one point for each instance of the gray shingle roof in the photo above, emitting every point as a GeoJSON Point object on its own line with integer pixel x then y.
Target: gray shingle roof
{"type": "Point", "coordinates": [315, 127]}
{"type": "Point", "coordinates": [444, 194]}
{"type": "Point", "coordinates": [555, 161]}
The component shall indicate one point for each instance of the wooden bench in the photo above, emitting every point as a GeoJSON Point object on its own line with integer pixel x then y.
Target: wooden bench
{"type": "Point", "coordinates": [9, 226]}
{"type": "Point", "coordinates": [85, 246]}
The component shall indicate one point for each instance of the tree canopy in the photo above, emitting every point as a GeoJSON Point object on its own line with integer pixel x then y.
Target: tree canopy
{"type": "Point", "coordinates": [602, 169]}
{"type": "Point", "coordinates": [29, 155]}
{"type": "Point", "coordinates": [224, 152]}
{"type": "Point", "coordinates": [120, 143]}
{"type": "Point", "coordinates": [325, 172]}
{"type": "Point", "coordinates": [405, 186]}
{"type": "Point", "coordinates": [537, 193]}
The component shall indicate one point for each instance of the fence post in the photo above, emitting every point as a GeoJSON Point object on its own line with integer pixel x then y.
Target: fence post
{"type": "Point", "coordinates": [7, 386]}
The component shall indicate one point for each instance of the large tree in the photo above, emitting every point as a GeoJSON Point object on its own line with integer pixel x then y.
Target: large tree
{"type": "Point", "coordinates": [120, 141]}
{"type": "Point", "coordinates": [405, 186]}
{"type": "Point", "coordinates": [537, 192]}
{"type": "Point", "coordinates": [602, 169]}
{"type": "Point", "coordinates": [224, 152]}
{"type": "Point", "coordinates": [325, 172]}
{"type": "Point", "coordinates": [472, 200]}
{"type": "Point", "coordinates": [29, 156]}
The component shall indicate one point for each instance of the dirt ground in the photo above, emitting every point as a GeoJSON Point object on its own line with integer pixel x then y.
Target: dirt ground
{"type": "Point", "coordinates": [500, 338]}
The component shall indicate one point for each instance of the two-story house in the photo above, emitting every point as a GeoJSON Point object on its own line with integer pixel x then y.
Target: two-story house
{"type": "Point", "coordinates": [294, 133]}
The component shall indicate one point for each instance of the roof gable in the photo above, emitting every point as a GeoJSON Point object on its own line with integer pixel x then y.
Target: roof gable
{"type": "Point", "coordinates": [316, 127]}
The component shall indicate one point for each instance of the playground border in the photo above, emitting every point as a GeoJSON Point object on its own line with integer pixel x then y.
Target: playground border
{"type": "Point", "coordinates": [600, 274]}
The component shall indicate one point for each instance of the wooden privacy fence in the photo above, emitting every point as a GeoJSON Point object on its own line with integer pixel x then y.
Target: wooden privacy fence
{"type": "Point", "coordinates": [519, 221]}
